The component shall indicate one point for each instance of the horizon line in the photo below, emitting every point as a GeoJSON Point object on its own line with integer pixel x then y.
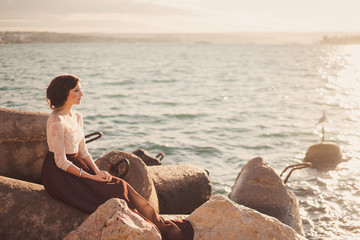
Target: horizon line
{"type": "Point", "coordinates": [232, 32]}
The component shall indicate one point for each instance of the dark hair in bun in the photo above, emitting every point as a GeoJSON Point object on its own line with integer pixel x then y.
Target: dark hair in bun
{"type": "Point", "coordinates": [58, 90]}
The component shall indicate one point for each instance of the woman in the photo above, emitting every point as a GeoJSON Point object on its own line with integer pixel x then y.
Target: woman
{"type": "Point", "coordinates": [69, 174]}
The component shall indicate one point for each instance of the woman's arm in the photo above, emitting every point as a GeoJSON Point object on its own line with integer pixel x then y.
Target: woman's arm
{"type": "Point", "coordinates": [56, 142]}
{"type": "Point", "coordinates": [72, 169]}
{"type": "Point", "coordinates": [90, 162]}
{"type": "Point", "coordinates": [84, 153]}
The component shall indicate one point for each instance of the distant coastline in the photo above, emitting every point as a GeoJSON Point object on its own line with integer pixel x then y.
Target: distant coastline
{"type": "Point", "coordinates": [20, 37]}
{"type": "Point", "coordinates": [353, 39]}
{"type": "Point", "coordinates": [28, 37]}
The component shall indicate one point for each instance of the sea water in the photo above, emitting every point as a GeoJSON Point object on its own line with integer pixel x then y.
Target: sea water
{"type": "Point", "coordinates": [216, 106]}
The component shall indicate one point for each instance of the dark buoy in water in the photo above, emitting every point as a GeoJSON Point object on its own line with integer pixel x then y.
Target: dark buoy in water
{"type": "Point", "coordinates": [324, 156]}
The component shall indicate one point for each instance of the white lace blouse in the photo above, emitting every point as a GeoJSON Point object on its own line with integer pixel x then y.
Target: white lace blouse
{"type": "Point", "coordinates": [65, 135]}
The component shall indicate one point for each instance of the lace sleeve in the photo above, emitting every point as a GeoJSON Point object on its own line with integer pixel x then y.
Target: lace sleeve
{"type": "Point", "coordinates": [55, 136]}
{"type": "Point", "coordinates": [83, 151]}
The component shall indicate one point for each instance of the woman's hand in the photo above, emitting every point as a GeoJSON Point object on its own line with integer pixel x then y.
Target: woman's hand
{"type": "Point", "coordinates": [103, 176]}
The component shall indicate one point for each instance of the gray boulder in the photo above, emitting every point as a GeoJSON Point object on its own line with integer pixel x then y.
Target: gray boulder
{"type": "Point", "coordinates": [180, 188]}
{"type": "Point", "coordinates": [223, 219]}
{"type": "Point", "coordinates": [149, 160]}
{"type": "Point", "coordinates": [257, 186]}
{"type": "Point", "coordinates": [28, 212]}
{"type": "Point", "coordinates": [138, 175]}
{"type": "Point", "coordinates": [23, 144]}
{"type": "Point", "coordinates": [114, 220]}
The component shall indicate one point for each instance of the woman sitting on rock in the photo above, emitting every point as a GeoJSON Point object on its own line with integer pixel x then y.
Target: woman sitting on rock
{"type": "Point", "coordinates": [70, 175]}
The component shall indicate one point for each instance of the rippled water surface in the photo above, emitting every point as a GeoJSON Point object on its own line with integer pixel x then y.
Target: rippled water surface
{"type": "Point", "coordinates": [216, 106]}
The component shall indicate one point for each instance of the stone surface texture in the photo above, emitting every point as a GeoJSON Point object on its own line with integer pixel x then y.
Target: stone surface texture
{"type": "Point", "coordinates": [28, 212]}
{"type": "Point", "coordinates": [257, 186]}
{"type": "Point", "coordinates": [181, 188]}
{"type": "Point", "coordinates": [147, 159]}
{"type": "Point", "coordinates": [114, 220]}
{"type": "Point", "coordinates": [223, 219]}
{"type": "Point", "coordinates": [23, 144]}
{"type": "Point", "coordinates": [138, 176]}
{"type": "Point", "coordinates": [324, 156]}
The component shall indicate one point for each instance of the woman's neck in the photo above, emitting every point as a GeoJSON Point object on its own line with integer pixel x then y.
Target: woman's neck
{"type": "Point", "coordinates": [65, 109]}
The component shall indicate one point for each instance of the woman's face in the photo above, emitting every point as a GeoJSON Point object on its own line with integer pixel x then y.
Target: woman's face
{"type": "Point", "coordinates": [75, 95]}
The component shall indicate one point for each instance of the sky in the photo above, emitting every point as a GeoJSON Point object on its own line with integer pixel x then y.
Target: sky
{"type": "Point", "coordinates": [180, 16]}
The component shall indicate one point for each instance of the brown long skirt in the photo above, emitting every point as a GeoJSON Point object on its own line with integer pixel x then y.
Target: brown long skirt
{"type": "Point", "coordinates": [87, 195]}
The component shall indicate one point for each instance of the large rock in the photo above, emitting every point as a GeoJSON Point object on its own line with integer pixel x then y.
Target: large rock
{"type": "Point", "coordinates": [324, 156]}
{"type": "Point", "coordinates": [138, 176]}
{"type": "Point", "coordinates": [222, 219]}
{"type": "Point", "coordinates": [180, 188]}
{"type": "Point", "coordinates": [114, 220]}
{"type": "Point", "coordinates": [257, 186]}
{"type": "Point", "coordinates": [148, 160]}
{"type": "Point", "coordinates": [23, 144]}
{"type": "Point", "coordinates": [28, 212]}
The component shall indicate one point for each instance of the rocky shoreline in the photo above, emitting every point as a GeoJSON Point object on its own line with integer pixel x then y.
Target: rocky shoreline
{"type": "Point", "coordinates": [28, 212]}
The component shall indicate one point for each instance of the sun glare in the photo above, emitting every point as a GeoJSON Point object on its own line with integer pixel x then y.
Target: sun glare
{"type": "Point", "coordinates": [341, 73]}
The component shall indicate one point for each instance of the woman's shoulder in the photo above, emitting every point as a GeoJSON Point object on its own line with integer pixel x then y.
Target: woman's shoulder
{"type": "Point", "coordinates": [77, 116]}
{"type": "Point", "coordinates": [76, 113]}
{"type": "Point", "coordinates": [55, 118]}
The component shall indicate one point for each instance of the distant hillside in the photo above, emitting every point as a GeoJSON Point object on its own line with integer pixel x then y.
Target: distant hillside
{"type": "Point", "coordinates": [7, 37]}
{"type": "Point", "coordinates": [48, 37]}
